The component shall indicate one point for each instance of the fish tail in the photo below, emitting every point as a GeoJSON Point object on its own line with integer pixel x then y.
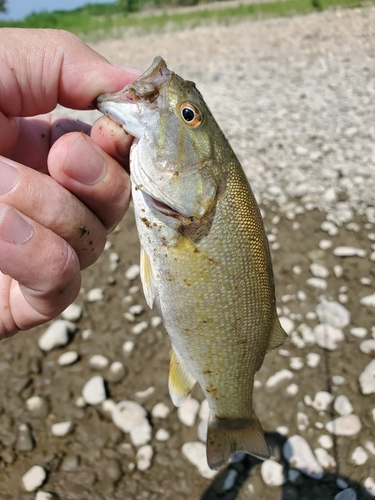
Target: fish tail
{"type": "Point", "coordinates": [226, 436]}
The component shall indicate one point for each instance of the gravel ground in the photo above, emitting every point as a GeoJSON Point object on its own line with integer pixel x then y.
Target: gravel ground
{"type": "Point", "coordinates": [296, 100]}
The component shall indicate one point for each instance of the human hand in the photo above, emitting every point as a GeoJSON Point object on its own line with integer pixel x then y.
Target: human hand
{"type": "Point", "coordinates": [61, 191]}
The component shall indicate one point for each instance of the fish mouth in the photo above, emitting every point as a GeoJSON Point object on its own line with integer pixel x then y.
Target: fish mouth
{"type": "Point", "coordinates": [167, 210]}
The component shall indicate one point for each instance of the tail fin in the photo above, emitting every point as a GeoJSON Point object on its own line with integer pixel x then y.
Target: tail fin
{"type": "Point", "coordinates": [227, 436]}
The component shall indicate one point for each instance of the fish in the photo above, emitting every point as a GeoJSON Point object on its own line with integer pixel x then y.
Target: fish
{"type": "Point", "coordinates": [205, 260]}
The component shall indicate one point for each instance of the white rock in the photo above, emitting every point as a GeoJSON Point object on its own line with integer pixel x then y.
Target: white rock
{"type": "Point", "coordinates": [155, 321]}
{"type": "Point", "coordinates": [327, 336]}
{"type": "Point", "coordinates": [338, 380]}
{"type": "Point", "coordinates": [343, 298]}
{"type": "Point", "coordinates": [195, 452]}
{"type": "Point", "coordinates": [368, 301]}
{"type": "Point", "coordinates": [297, 270]}
{"type": "Point", "coordinates": [98, 362]}
{"type": "Point", "coordinates": [348, 494]}
{"type": "Point", "coordinates": [141, 433]}
{"type": "Point", "coordinates": [272, 473]}
{"type": "Point", "coordinates": [204, 412]}
{"type": "Point", "coordinates": [287, 324]}
{"type": "Point", "coordinates": [35, 403]}
{"type": "Point", "coordinates": [341, 483]}
{"type": "Point", "coordinates": [108, 406]}
{"type": "Point", "coordinates": [68, 358]}
{"type": "Point", "coordinates": [345, 251]}
{"type": "Point", "coordinates": [72, 312]}
{"type": "Point", "coordinates": [62, 428]}
{"type": "Point", "coordinates": [86, 334]}
{"type": "Point", "coordinates": [95, 295]}
{"type": "Point", "coordinates": [44, 495]}
{"type": "Point", "coordinates": [132, 272]}
{"type": "Point", "coordinates": [160, 410]}
{"type": "Point", "coordinates": [359, 456]}
{"type": "Point", "coordinates": [368, 347]}
{"type": "Point", "coordinates": [292, 389]}
{"type": "Point", "coordinates": [302, 421]}
{"type": "Point", "coordinates": [113, 257]}
{"type": "Point", "coordinates": [307, 333]}
{"type": "Point", "coordinates": [80, 402]}
{"type": "Point", "coordinates": [93, 391]}
{"type": "Point", "coordinates": [299, 455]}
{"type": "Point", "coordinates": [319, 425]}
{"type": "Point", "coordinates": [318, 270]}
{"type": "Point", "coordinates": [350, 132]}
{"type": "Point", "coordinates": [325, 441]}
{"type": "Point", "coordinates": [318, 283]}
{"type": "Point", "coordinates": [312, 359]}
{"type": "Point", "coordinates": [283, 430]}
{"type": "Point", "coordinates": [325, 244]}
{"type": "Point", "coordinates": [358, 332]}
{"type": "Point", "coordinates": [202, 430]}
{"type": "Point", "coordinates": [301, 295]}
{"type": "Point", "coordinates": [139, 327]}
{"type": "Point", "coordinates": [369, 484]}
{"type": "Point", "coordinates": [230, 480]}
{"type": "Point", "coordinates": [128, 346]}
{"type": "Point", "coordinates": [343, 406]}
{"type": "Point", "coordinates": [187, 413]}
{"type": "Point", "coordinates": [56, 335]}
{"type": "Point", "coordinates": [348, 425]}
{"type": "Point", "coordinates": [279, 377]}
{"type": "Point", "coordinates": [338, 271]}
{"type": "Point", "coordinates": [370, 446]}
{"type": "Point", "coordinates": [136, 309]}
{"type": "Point", "coordinates": [116, 368]}
{"type": "Point", "coordinates": [34, 478]}
{"type": "Point", "coordinates": [143, 457]}
{"type": "Point", "coordinates": [294, 476]}
{"type": "Point", "coordinates": [333, 313]}
{"type": "Point", "coordinates": [127, 415]}
{"type": "Point", "coordinates": [146, 393]}
{"type": "Point", "coordinates": [296, 363]}
{"type": "Point", "coordinates": [162, 435]}
{"type": "Point", "coordinates": [367, 379]}
{"type": "Point", "coordinates": [322, 400]}
{"type": "Point", "coordinates": [324, 458]}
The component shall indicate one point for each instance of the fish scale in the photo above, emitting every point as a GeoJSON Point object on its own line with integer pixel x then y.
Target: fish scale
{"type": "Point", "coordinates": [205, 261]}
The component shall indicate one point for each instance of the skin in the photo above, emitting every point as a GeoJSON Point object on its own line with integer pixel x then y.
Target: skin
{"type": "Point", "coordinates": [61, 192]}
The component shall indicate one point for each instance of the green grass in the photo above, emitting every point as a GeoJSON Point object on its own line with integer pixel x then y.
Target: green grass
{"type": "Point", "coordinates": [97, 21]}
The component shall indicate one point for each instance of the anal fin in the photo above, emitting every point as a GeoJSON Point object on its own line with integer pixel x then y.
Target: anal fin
{"type": "Point", "coordinates": [277, 337]}
{"type": "Point", "coordinates": [180, 381]}
{"type": "Point", "coordinates": [227, 436]}
{"type": "Point", "coordinates": [147, 278]}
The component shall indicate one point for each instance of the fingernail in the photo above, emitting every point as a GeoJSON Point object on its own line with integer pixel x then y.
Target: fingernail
{"type": "Point", "coordinates": [84, 164]}
{"type": "Point", "coordinates": [8, 177]}
{"type": "Point", "coordinates": [14, 228]}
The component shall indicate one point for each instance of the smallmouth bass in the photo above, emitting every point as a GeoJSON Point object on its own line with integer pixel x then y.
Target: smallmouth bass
{"type": "Point", "coordinates": [205, 260]}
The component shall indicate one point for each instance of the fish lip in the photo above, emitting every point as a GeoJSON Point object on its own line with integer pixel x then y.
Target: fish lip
{"type": "Point", "coordinates": [167, 210]}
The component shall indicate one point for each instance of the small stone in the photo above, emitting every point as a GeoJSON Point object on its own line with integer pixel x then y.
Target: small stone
{"type": "Point", "coordinates": [132, 272]}
{"type": "Point", "coordinates": [358, 332]}
{"type": "Point", "coordinates": [155, 321]}
{"type": "Point", "coordinates": [279, 377]}
{"type": "Point", "coordinates": [272, 473]}
{"type": "Point", "coordinates": [230, 480]}
{"type": "Point", "coordinates": [348, 425]}
{"type": "Point", "coordinates": [296, 363]}
{"type": "Point", "coordinates": [98, 362]}
{"type": "Point", "coordinates": [62, 428]}
{"type": "Point", "coordinates": [141, 433]}
{"type": "Point", "coordinates": [37, 406]}
{"type": "Point", "coordinates": [297, 270]}
{"type": "Point", "coordinates": [86, 334]}
{"type": "Point", "coordinates": [369, 484]}
{"type": "Point", "coordinates": [302, 421]}
{"type": "Point", "coordinates": [338, 380]}
{"type": "Point", "coordinates": [318, 283]}
{"type": "Point", "coordinates": [301, 151]}
{"type": "Point", "coordinates": [350, 132]}
{"type": "Point", "coordinates": [367, 379]}
{"type": "Point", "coordinates": [129, 317]}
{"type": "Point", "coordinates": [318, 270]}
{"type": "Point", "coordinates": [139, 327]}
{"type": "Point", "coordinates": [298, 452]}
{"type": "Point", "coordinates": [327, 336]}
{"type": "Point", "coordinates": [287, 324]}
{"type": "Point", "coordinates": [25, 440]}
{"type": "Point", "coordinates": [322, 400]}
{"type": "Point", "coordinates": [128, 346]}
{"type": "Point", "coordinates": [187, 413]}
{"type": "Point", "coordinates": [45, 495]}
{"type": "Point", "coordinates": [34, 478]}
{"type": "Point", "coordinates": [114, 470]}
{"type": "Point", "coordinates": [136, 309]}
{"type": "Point", "coordinates": [292, 389]}
{"type": "Point", "coordinates": [370, 446]}
{"type": "Point", "coordinates": [95, 295]}
{"type": "Point", "coordinates": [368, 347]}
{"type": "Point", "coordinates": [160, 410]}
{"type": "Point", "coordinates": [294, 476]}
{"type": "Point", "coordinates": [68, 358]}
{"type": "Point", "coordinates": [368, 301]}
{"type": "Point", "coordinates": [93, 391]}
{"type": "Point", "coordinates": [162, 435]}
{"type": "Point", "coordinates": [312, 359]}
{"type": "Point", "coordinates": [346, 251]}
{"type": "Point", "coordinates": [359, 456]}
{"type": "Point", "coordinates": [343, 406]}
{"type": "Point", "coordinates": [333, 313]}
{"type": "Point", "coordinates": [113, 257]}
{"type": "Point", "coordinates": [143, 457]}
{"type": "Point", "coordinates": [195, 452]}
{"type": "Point", "coordinates": [116, 372]}
{"type": "Point", "coordinates": [128, 414]}
{"type": "Point", "coordinates": [365, 281]}
{"type": "Point", "coordinates": [204, 412]}
{"type": "Point", "coordinates": [202, 430]}
{"type": "Point", "coordinates": [301, 295]}
{"type": "Point", "coordinates": [72, 313]}
{"type": "Point", "coordinates": [341, 483]}
{"type": "Point", "coordinates": [283, 430]}
{"type": "Point", "coordinates": [108, 406]}
{"type": "Point", "coordinates": [325, 244]}
{"type": "Point", "coordinates": [80, 402]}
{"type": "Point", "coordinates": [146, 393]}
{"type": "Point", "coordinates": [348, 494]}
{"type": "Point", "coordinates": [325, 442]}
{"type": "Point", "coordinates": [338, 271]}
{"type": "Point", "coordinates": [324, 458]}
{"type": "Point", "coordinates": [57, 335]}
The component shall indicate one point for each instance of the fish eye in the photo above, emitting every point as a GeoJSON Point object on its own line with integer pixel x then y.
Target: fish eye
{"type": "Point", "coordinates": [190, 114]}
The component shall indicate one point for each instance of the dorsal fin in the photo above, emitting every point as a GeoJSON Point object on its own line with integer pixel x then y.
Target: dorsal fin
{"type": "Point", "coordinates": [277, 337]}
{"type": "Point", "coordinates": [180, 381]}
{"type": "Point", "coordinates": [147, 278]}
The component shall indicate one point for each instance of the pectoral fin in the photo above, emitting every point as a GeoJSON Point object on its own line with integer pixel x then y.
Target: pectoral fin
{"type": "Point", "coordinates": [277, 337]}
{"type": "Point", "coordinates": [147, 278]}
{"type": "Point", "coordinates": [180, 381]}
